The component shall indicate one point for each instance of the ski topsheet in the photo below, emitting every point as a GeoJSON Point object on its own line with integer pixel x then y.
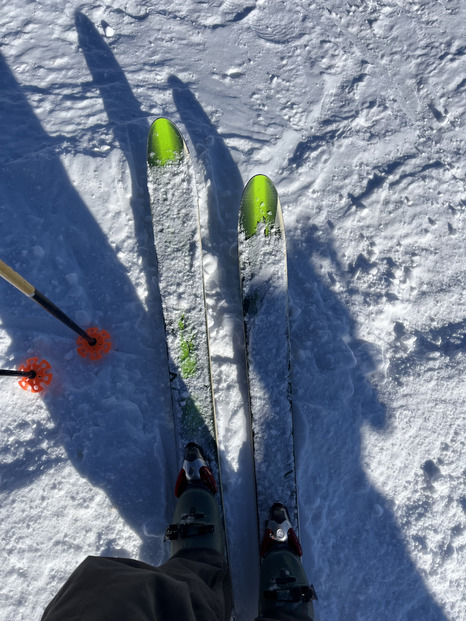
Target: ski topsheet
{"type": "Point", "coordinates": [175, 218]}
{"type": "Point", "coordinates": [263, 272]}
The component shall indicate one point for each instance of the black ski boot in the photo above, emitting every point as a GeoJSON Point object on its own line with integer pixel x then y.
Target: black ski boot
{"type": "Point", "coordinates": [197, 522]}
{"type": "Point", "coordinates": [283, 582]}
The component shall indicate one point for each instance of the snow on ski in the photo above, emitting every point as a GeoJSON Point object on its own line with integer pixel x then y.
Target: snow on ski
{"type": "Point", "coordinates": [175, 218]}
{"type": "Point", "coordinates": [263, 272]}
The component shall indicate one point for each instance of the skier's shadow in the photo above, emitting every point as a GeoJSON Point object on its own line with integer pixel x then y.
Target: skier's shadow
{"type": "Point", "coordinates": [345, 522]}
{"type": "Point", "coordinates": [109, 416]}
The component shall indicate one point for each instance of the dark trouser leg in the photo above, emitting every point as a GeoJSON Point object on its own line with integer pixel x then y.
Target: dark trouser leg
{"type": "Point", "coordinates": [193, 585]}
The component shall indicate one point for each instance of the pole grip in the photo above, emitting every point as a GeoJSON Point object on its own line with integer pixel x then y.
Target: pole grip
{"type": "Point", "coordinates": [16, 280]}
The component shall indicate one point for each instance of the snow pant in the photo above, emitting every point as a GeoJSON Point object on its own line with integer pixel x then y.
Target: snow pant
{"type": "Point", "coordinates": [193, 585]}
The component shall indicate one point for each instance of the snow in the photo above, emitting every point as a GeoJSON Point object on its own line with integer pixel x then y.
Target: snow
{"type": "Point", "coordinates": [356, 112]}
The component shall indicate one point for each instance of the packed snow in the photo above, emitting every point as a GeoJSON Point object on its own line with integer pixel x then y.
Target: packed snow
{"type": "Point", "coordinates": [355, 110]}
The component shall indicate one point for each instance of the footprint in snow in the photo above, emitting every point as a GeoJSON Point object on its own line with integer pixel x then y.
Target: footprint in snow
{"type": "Point", "coordinates": [279, 22]}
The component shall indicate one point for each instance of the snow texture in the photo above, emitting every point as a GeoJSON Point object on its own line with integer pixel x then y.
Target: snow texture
{"type": "Point", "coordinates": [355, 110]}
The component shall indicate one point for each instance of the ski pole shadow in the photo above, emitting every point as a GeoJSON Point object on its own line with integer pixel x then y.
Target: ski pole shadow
{"type": "Point", "coordinates": [110, 417]}
{"type": "Point", "coordinates": [346, 524]}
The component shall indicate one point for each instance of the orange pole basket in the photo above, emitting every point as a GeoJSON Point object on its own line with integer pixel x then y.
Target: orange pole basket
{"type": "Point", "coordinates": [40, 375]}
{"type": "Point", "coordinates": [101, 346]}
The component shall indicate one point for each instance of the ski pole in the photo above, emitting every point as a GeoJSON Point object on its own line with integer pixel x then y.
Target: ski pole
{"type": "Point", "coordinates": [11, 373]}
{"type": "Point", "coordinates": [35, 374]}
{"type": "Point", "coordinates": [30, 291]}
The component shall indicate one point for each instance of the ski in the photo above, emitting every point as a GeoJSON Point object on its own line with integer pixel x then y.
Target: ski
{"type": "Point", "coordinates": [175, 218]}
{"type": "Point", "coordinates": [264, 287]}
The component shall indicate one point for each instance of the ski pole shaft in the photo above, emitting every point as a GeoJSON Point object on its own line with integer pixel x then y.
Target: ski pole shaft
{"type": "Point", "coordinates": [30, 291]}
{"type": "Point", "coordinates": [8, 373]}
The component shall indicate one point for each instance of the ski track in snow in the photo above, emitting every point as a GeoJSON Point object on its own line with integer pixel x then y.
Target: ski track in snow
{"type": "Point", "coordinates": [356, 111]}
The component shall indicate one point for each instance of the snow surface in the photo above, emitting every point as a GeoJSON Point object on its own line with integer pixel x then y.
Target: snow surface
{"type": "Point", "coordinates": [356, 111]}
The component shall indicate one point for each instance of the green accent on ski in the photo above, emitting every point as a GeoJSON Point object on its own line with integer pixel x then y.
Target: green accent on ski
{"type": "Point", "coordinates": [188, 355]}
{"type": "Point", "coordinates": [165, 143]}
{"type": "Point", "coordinates": [259, 203]}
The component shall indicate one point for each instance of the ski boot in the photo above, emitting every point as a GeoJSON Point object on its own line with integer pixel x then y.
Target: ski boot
{"type": "Point", "coordinates": [197, 522]}
{"type": "Point", "coordinates": [283, 582]}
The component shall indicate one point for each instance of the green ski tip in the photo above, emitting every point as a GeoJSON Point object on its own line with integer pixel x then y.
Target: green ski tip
{"type": "Point", "coordinates": [165, 143]}
{"type": "Point", "coordinates": [259, 203]}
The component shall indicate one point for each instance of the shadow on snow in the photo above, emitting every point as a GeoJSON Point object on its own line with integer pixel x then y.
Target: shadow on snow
{"type": "Point", "coordinates": [113, 425]}
{"type": "Point", "coordinates": [352, 543]}
{"type": "Point", "coordinates": [109, 436]}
